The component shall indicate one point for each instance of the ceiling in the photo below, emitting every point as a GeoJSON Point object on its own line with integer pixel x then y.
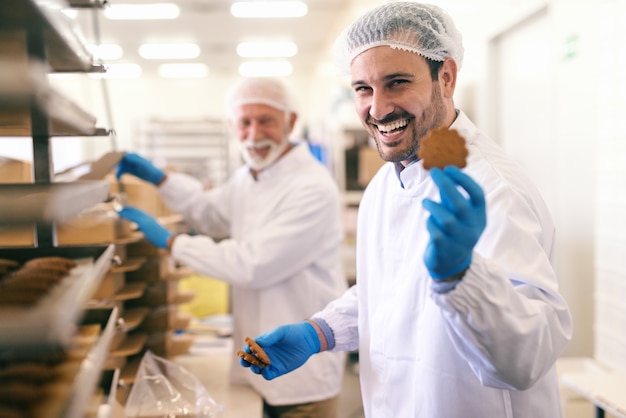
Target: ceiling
{"type": "Point", "coordinates": [210, 24]}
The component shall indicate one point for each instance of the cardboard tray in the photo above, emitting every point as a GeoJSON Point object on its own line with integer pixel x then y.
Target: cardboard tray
{"type": "Point", "coordinates": [91, 368]}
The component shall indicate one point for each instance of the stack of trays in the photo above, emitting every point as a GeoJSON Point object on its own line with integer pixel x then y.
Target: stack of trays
{"type": "Point", "coordinates": [51, 356]}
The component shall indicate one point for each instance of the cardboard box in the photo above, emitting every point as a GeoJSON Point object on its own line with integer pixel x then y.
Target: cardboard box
{"type": "Point", "coordinates": [169, 344]}
{"type": "Point", "coordinates": [369, 163]}
{"type": "Point", "coordinates": [19, 236]}
{"type": "Point", "coordinates": [165, 318]}
{"type": "Point", "coordinates": [152, 270]}
{"type": "Point", "coordinates": [101, 225]}
{"type": "Point", "coordinates": [162, 293]}
{"type": "Point", "coordinates": [143, 248]}
{"type": "Point", "coordinates": [15, 171]}
{"type": "Point", "coordinates": [140, 194]}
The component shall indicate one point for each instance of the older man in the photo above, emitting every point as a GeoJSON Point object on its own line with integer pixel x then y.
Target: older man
{"type": "Point", "coordinates": [281, 213]}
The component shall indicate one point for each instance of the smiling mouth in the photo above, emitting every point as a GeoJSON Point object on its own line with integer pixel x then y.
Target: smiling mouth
{"type": "Point", "coordinates": [392, 128]}
{"type": "Point", "coordinates": [258, 150]}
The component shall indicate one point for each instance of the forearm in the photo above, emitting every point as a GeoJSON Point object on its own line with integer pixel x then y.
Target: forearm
{"type": "Point", "coordinates": [521, 330]}
{"type": "Point", "coordinates": [341, 317]}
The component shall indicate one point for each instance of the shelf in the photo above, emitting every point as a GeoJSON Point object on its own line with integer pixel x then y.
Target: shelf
{"type": "Point", "coordinates": [22, 203]}
{"type": "Point", "coordinates": [23, 88]}
{"type": "Point", "coordinates": [50, 323]}
{"type": "Point", "coordinates": [91, 368]}
{"type": "Point", "coordinates": [64, 44]}
{"type": "Point", "coordinates": [352, 197]}
{"type": "Point", "coordinates": [87, 4]}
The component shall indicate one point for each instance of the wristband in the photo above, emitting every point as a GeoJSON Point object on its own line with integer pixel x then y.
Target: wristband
{"type": "Point", "coordinates": [326, 331]}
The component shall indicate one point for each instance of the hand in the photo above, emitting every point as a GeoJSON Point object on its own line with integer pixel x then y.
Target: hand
{"type": "Point", "coordinates": [288, 347]}
{"type": "Point", "coordinates": [152, 230]}
{"type": "Point", "coordinates": [138, 166]}
{"type": "Point", "coordinates": [455, 224]}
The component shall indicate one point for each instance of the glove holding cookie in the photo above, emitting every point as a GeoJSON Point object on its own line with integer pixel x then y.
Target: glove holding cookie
{"type": "Point", "coordinates": [288, 347]}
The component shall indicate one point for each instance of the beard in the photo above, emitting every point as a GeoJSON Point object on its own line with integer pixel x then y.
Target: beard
{"type": "Point", "coordinates": [257, 161]}
{"type": "Point", "coordinates": [432, 117]}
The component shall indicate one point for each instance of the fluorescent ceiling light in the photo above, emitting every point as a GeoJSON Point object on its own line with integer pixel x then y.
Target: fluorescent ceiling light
{"type": "Point", "coordinates": [186, 70]}
{"type": "Point", "coordinates": [105, 52]}
{"type": "Point", "coordinates": [142, 11]}
{"type": "Point", "coordinates": [267, 49]}
{"type": "Point", "coordinates": [119, 71]}
{"type": "Point", "coordinates": [265, 69]}
{"type": "Point", "coordinates": [169, 51]}
{"type": "Point", "coordinates": [251, 9]}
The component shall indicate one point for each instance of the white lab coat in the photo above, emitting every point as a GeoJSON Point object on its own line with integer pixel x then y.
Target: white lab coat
{"type": "Point", "coordinates": [487, 348]}
{"type": "Point", "coordinates": [282, 258]}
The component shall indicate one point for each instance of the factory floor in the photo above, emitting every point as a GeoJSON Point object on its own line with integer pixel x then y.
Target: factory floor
{"type": "Point", "coordinates": [350, 405]}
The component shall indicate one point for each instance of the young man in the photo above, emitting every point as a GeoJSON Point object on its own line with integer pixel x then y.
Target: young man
{"type": "Point", "coordinates": [281, 214]}
{"type": "Point", "coordinates": [456, 311]}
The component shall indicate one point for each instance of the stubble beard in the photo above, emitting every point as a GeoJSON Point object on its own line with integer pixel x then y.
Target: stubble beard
{"type": "Point", "coordinates": [432, 117]}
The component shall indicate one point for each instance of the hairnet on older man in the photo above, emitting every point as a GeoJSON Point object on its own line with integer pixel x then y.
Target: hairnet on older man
{"type": "Point", "coordinates": [421, 28]}
{"type": "Point", "coordinates": [269, 91]}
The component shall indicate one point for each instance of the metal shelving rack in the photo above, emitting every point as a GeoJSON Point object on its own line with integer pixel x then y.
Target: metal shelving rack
{"type": "Point", "coordinates": [198, 147]}
{"type": "Point", "coordinates": [36, 38]}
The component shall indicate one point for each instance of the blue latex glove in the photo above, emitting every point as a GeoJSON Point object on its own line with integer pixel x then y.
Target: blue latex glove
{"type": "Point", "coordinates": [138, 166]}
{"type": "Point", "coordinates": [455, 224]}
{"type": "Point", "coordinates": [152, 230]}
{"type": "Point", "coordinates": [288, 347]}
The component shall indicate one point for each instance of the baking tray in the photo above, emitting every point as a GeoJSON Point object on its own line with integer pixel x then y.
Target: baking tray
{"type": "Point", "coordinates": [22, 203]}
{"type": "Point", "coordinates": [50, 323]}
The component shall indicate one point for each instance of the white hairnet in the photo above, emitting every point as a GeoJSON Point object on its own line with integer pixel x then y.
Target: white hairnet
{"type": "Point", "coordinates": [260, 90]}
{"type": "Point", "coordinates": [421, 28]}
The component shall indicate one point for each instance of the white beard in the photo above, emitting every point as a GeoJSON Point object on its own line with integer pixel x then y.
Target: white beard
{"type": "Point", "coordinates": [258, 162]}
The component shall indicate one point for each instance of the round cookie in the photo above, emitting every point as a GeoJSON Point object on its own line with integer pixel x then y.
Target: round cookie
{"type": "Point", "coordinates": [442, 147]}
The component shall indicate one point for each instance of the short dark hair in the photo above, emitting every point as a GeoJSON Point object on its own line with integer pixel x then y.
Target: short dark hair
{"type": "Point", "coordinates": [434, 68]}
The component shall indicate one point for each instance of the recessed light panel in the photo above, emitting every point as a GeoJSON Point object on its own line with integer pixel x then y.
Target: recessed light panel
{"type": "Point", "coordinates": [106, 52]}
{"type": "Point", "coordinates": [186, 70]}
{"type": "Point", "coordinates": [265, 69]}
{"type": "Point", "coordinates": [266, 9]}
{"type": "Point", "coordinates": [142, 11]}
{"type": "Point", "coordinates": [279, 49]}
{"type": "Point", "coordinates": [168, 51]}
{"type": "Point", "coordinates": [119, 71]}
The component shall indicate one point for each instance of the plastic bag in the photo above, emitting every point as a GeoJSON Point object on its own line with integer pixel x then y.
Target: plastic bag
{"type": "Point", "coordinates": [163, 389]}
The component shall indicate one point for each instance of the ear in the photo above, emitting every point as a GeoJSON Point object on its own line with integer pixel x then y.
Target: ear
{"type": "Point", "coordinates": [447, 77]}
{"type": "Point", "coordinates": [292, 120]}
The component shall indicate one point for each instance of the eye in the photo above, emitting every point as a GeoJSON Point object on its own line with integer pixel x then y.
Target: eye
{"type": "Point", "coordinates": [243, 123]}
{"type": "Point", "coordinates": [266, 121]}
{"type": "Point", "coordinates": [362, 89]}
{"type": "Point", "coordinates": [398, 82]}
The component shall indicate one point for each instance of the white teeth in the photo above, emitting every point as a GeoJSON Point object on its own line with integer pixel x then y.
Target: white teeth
{"type": "Point", "coordinates": [396, 125]}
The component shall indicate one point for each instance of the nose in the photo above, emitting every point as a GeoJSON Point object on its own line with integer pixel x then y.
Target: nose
{"type": "Point", "coordinates": [381, 105]}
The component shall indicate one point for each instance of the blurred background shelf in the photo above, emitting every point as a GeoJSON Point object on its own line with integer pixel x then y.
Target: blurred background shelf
{"type": "Point", "coordinates": [24, 22]}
